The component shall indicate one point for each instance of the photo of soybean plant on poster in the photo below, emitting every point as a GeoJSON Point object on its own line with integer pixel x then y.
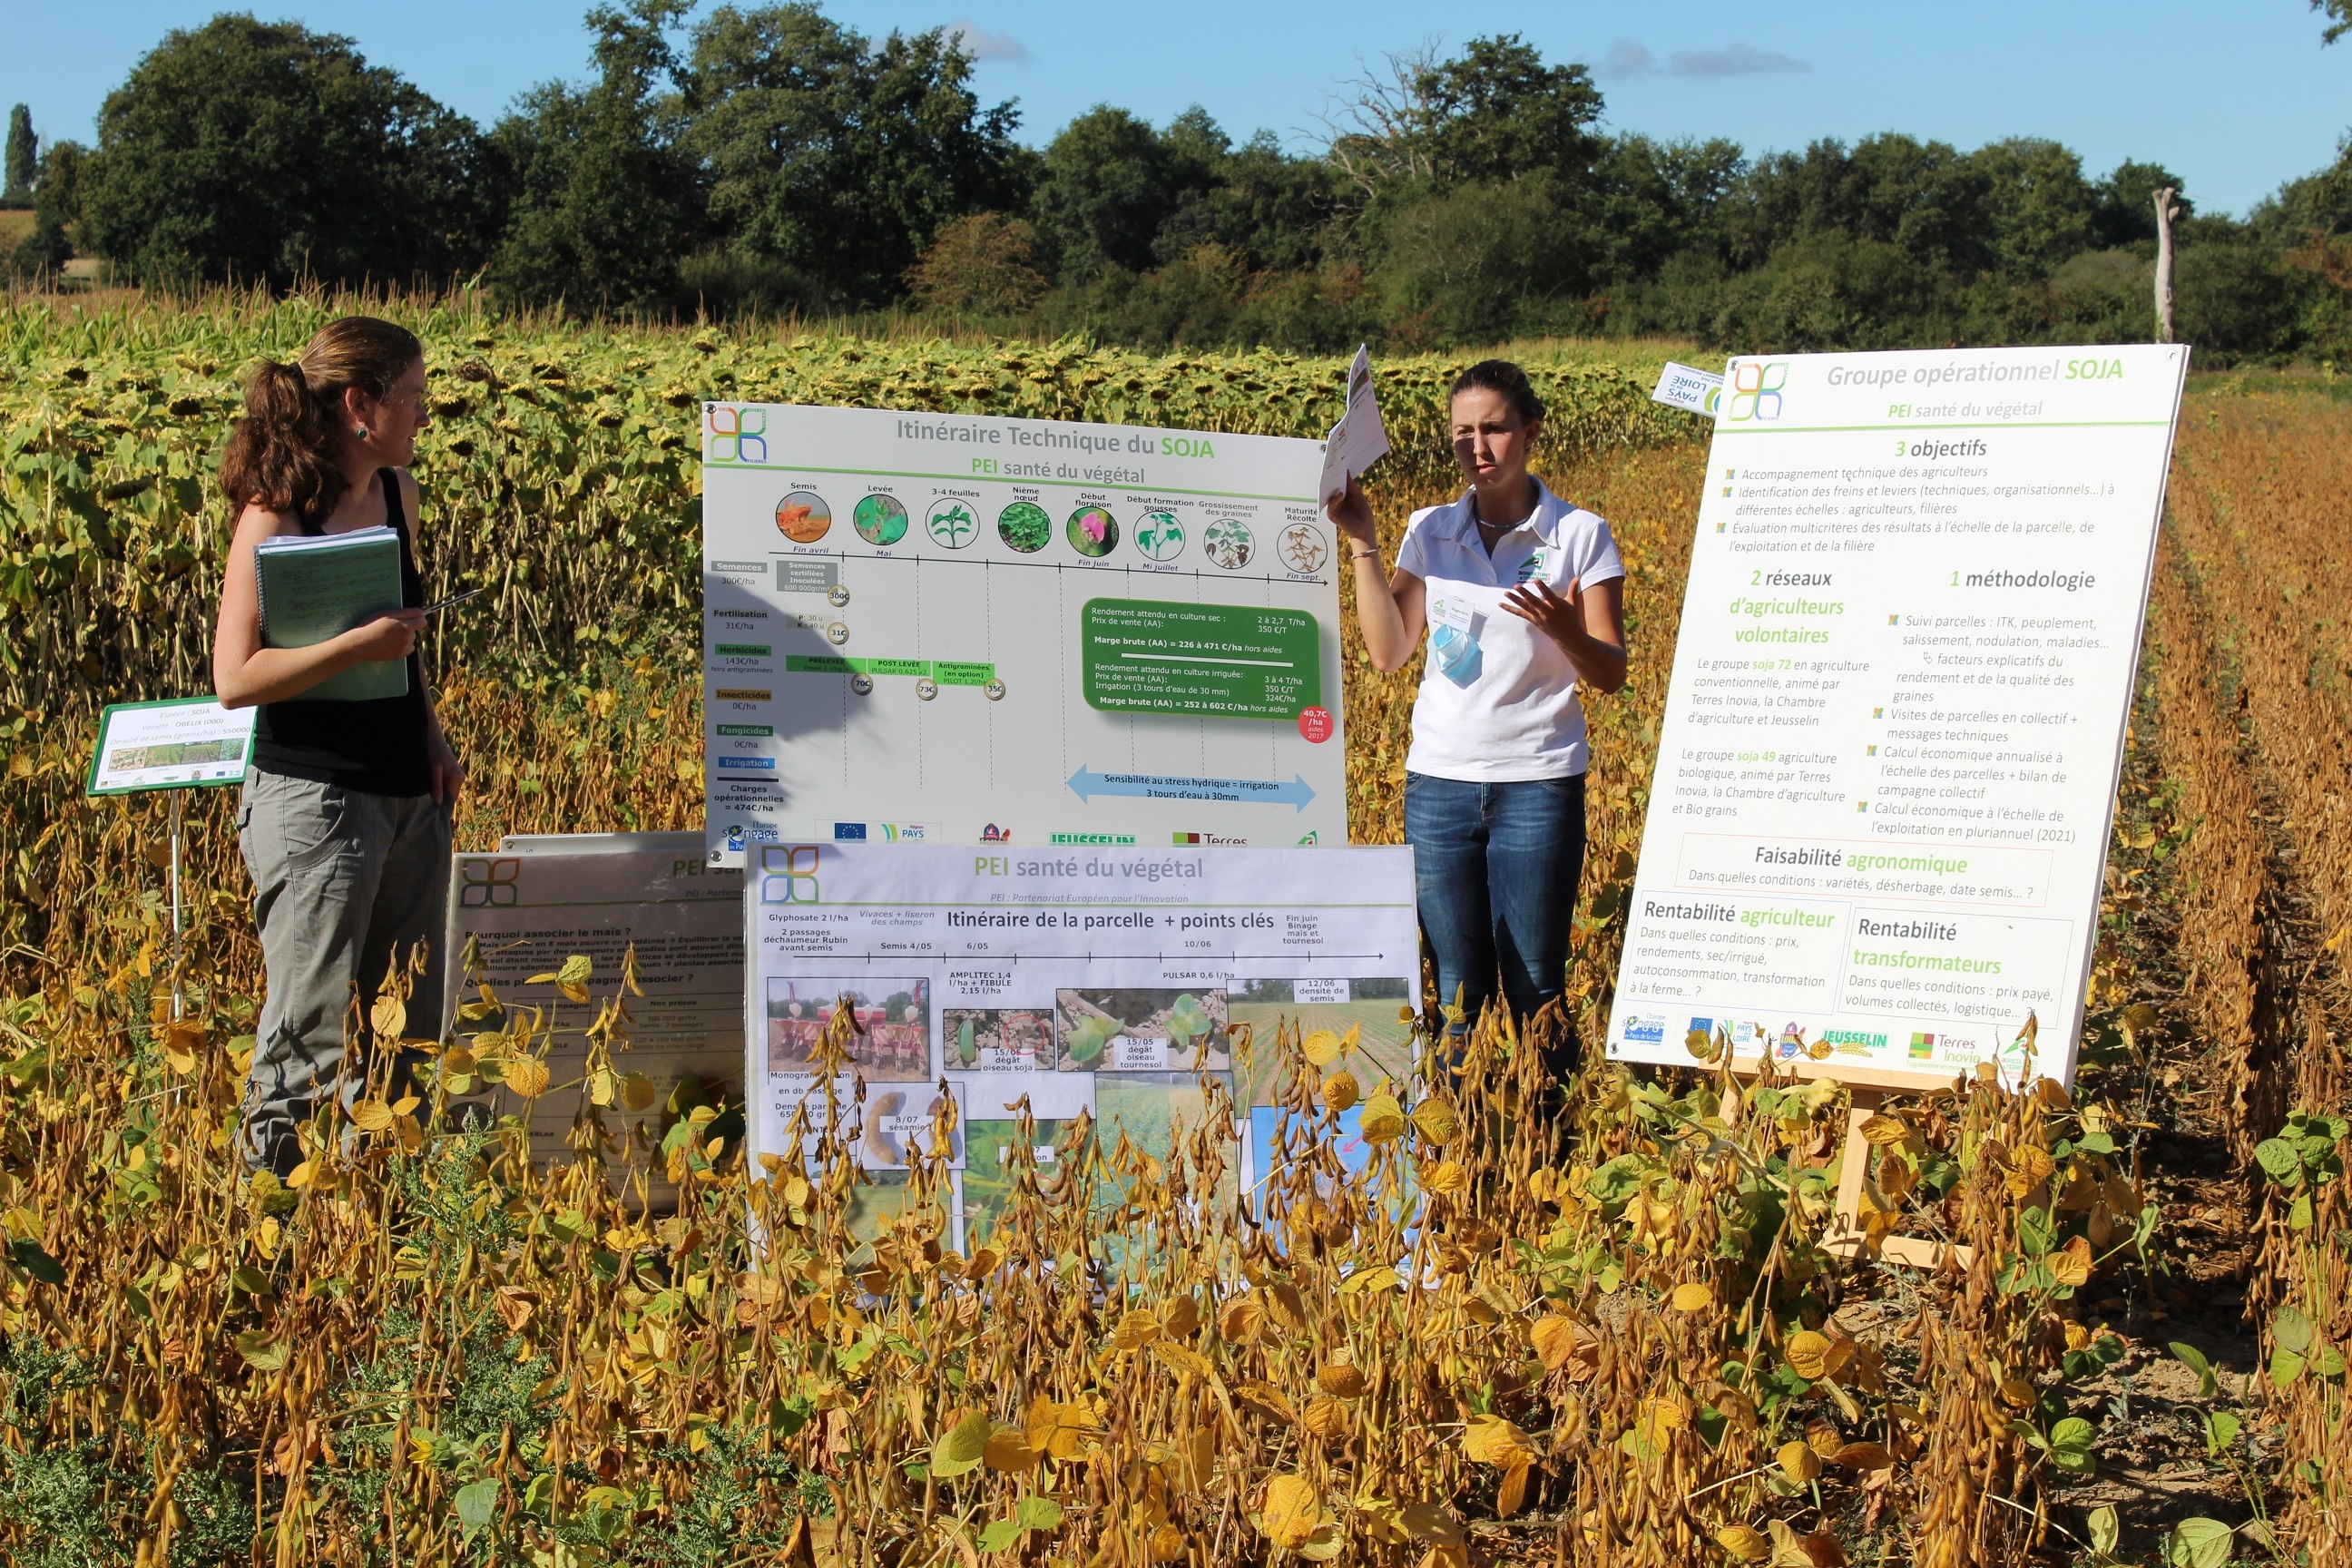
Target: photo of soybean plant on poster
{"type": "Point", "coordinates": [893, 1017]}
{"type": "Point", "coordinates": [1141, 1029]}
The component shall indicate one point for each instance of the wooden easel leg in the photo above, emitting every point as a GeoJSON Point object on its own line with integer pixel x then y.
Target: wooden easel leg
{"type": "Point", "coordinates": [1845, 1237]}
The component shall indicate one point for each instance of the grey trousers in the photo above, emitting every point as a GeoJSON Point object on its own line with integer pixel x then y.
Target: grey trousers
{"type": "Point", "coordinates": [345, 882]}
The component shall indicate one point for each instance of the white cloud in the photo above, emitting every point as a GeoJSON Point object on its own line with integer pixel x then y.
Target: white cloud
{"type": "Point", "coordinates": [982, 45]}
{"type": "Point", "coordinates": [1629, 57]}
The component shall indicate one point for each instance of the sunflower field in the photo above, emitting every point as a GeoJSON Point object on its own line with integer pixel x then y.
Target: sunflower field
{"type": "Point", "coordinates": [1593, 1322]}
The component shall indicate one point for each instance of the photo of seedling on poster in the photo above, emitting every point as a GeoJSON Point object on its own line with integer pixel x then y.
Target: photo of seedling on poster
{"type": "Point", "coordinates": [998, 1039]}
{"type": "Point", "coordinates": [1141, 1030]}
{"type": "Point", "coordinates": [893, 1043]}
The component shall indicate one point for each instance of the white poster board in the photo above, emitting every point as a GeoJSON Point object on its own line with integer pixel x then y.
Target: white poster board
{"type": "Point", "coordinates": [961, 628]}
{"type": "Point", "coordinates": [1879, 823]}
{"type": "Point", "coordinates": [543, 899]}
{"type": "Point", "coordinates": [183, 743]}
{"type": "Point", "coordinates": [1107, 981]}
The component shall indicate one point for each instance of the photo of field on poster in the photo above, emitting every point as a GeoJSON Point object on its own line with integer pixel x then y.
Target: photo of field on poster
{"type": "Point", "coordinates": [998, 1039]}
{"type": "Point", "coordinates": [991, 1146]}
{"type": "Point", "coordinates": [1141, 1029]}
{"type": "Point", "coordinates": [893, 1016]}
{"type": "Point", "coordinates": [1383, 1041]}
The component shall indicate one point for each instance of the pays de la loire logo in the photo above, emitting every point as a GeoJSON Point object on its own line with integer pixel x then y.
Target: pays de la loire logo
{"type": "Point", "coordinates": [788, 874]}
{"type": "Point", "coordinates": [489, 884]}
{"type": "Point", "coordinates": [736, 434]}
{"type": "Point", "coordinates": [1756, 389]}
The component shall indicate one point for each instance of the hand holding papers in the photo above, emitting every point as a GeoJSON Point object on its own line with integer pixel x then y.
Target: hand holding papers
{"type": "Point", "coordinates": [1360, 440]}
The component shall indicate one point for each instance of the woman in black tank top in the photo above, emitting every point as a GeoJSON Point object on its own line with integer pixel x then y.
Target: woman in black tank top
{"type": "Point", "coordinates": [345, 820]}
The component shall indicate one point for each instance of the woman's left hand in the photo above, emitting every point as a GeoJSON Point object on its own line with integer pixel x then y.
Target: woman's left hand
{"type": "Point", "coordinates": [449, 773]}
{"type": "Point", "coordinates": [1554, 614]}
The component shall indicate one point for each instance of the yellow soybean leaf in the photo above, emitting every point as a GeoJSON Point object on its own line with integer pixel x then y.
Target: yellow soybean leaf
{"type": "Point", "coordinates": [370, 1116]}
{"type": "Point", "coordinates": [1183, 1316]}
{"type": "Point", "coordinates": [1447, 1178]}
{"type": "Point", "coordinates": [1138, 1328]}
{"type": "Point", "coordinates": [1799, 1462]}
{"type": "Point", "coordinates": [528, 1077]}
{"type": "Point", "coordinates": [1863, 1457]}
{"type": "Point", "coordinates": [1437, 1121]}
{"type": "Point", "coordinates": [1008, 1450]}
{"type": "Point", "coordinates": [1262, 1396]}
{"type": "Point", "coordinates": [2071, 1263]}
{"type": "Point", "coordinates": [1241, 1321]}
{"type": "Point", "coordinates": [1322, 1047]}
{"type": "Point", "coordinates": [1491, 1440]}
{"type": "Point", "coordinates": [1292, 1510]}
{"type": "Point", "coordinates": [182, 1040]}
{"type": "Point", "coordinates": [1182, 1359]}
{"type": "Point", "coordinates": [1383, 1120]}
{"type": "Point", "coordinates": [1341, 1090]}
{"type": "Point", "coordinates": [638, 1093]}
{"type": "Point", "coordinates": [389, 1015]}
{"type": "Point", "coordinates": [1743, 1544]}
{"type": "Point", "coordinates": [1327, 1419]}
{"type": "Point", "coordinates": [1693, 1297]}
{"type": "Point", "coordinates": [1557, 1338]}
{"type": "Point", "coordinates": [1808, 1354]}
{"type": "Point", "coordinates": [1886, 1131]}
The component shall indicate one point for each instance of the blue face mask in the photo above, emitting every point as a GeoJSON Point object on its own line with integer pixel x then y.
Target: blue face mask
{"type": "Point", "coordinates": [1457, 654]}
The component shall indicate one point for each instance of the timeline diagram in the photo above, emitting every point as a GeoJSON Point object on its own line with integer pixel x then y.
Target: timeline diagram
{"type": "Point", "coordinates": [972, 629]}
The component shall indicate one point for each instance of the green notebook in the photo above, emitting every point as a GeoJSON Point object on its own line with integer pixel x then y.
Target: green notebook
{"type": "Point", "coordinates": [319, 586]}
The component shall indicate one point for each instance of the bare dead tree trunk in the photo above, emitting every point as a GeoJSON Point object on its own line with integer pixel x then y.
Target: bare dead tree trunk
{"type": "Point", "coordinates": [2165, 211]}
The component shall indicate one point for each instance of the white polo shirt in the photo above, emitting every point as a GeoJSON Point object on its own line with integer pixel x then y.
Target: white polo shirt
{"type": "Point", "coordinates": [1497, 703]}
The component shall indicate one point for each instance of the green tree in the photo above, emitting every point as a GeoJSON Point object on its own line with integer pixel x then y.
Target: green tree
{"type": "Point", "coordinates": [607, 198]}
{"type": "Point", "coordinates": [2039, 204]}
{"type": "Point", "coordinates": [57, 211]}
{"type": "Point", "coordinates": [2340, 17]}
{"type": "Point", "coordinates": [835, 159]}
{"type": "Point", "coordinates": [264, 152]}
{"type": "Point", "coordinates": [2122, 205]}
{"type": "Point", "coordinates": [24, 155]}
{"type": "Point", "coordinates": [1107, 184]}
{"type": "Point", "coordinates": [1497, 112]}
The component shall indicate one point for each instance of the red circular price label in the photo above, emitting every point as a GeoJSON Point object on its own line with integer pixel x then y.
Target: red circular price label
{"type": "Point", "coordinates": [1315, 723]}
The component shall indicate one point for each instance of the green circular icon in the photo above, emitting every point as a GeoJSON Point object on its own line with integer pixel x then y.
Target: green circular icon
{"type": "Point", "coordinates": [880, 518]}
{"type": "Point", "coordinates": [1228, 544]}
{"type": "Point", "coordinates": [1025, 526]}
{"type": "Point", "coordinates": [1093, 531]}
{"type": "Point", "coordinates": [1159, 536]}
{"type": "Point", "coordinates": [951, 522]}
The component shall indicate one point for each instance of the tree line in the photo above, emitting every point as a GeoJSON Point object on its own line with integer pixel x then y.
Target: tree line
{"type": "Point", "coordinates": [771, 159]}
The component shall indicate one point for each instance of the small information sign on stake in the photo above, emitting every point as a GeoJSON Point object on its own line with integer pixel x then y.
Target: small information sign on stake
{"type": "Point", "coordinates": [187, 742]}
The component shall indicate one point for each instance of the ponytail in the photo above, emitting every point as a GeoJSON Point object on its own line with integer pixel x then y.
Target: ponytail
{"type": "Point", "coordinates": [282, 455]}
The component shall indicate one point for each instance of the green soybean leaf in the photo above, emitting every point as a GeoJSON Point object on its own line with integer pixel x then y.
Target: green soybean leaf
{"type": "Point", "coordinates": [2200, 1543]}
{"type": "Point", "coordinates": [2279, 1160]}
{"type": "Point", "coordinates": [2070, 1445]}
{"type": "Point", "coordinates": [2291, 1331]}
{"type": "Point", "coordinates": [2194, 1360]}
{"type": "Point", "coordinates": [34, 1260]}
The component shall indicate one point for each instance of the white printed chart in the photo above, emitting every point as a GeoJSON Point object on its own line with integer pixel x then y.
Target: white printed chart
{"type": "Point", "coordinates": [1103, 980]}
{"type": "Point", "coordinates": [547, 898]}
{"type": "Point", "coordinates": [977, 629]}
{"type": "Point", "coordinates": [1879, 822]}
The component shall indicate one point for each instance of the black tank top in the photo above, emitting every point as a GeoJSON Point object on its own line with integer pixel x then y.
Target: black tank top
{"type": "Point", "coordinates": [377, 746]}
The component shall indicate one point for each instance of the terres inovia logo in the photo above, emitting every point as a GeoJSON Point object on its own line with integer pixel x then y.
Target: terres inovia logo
{"type": "Point", "coordinates": [788, 874]}
{"type": "Point", "coordinates": [1756, 389]}
{"type": "Point", "coordinates": [489, 884]}
{"type": "Point", "coordinates": [734, 435]}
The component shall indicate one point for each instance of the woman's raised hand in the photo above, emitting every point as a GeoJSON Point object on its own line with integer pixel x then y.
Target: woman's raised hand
{"type": "Point", "coordinates": [1351, 512]}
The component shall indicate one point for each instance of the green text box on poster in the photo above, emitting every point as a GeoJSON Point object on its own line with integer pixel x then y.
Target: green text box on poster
{"type": "Point", "coordinates": [1227, 661]}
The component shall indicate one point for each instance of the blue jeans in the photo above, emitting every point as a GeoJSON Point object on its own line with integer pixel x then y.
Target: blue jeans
{"type": "Point", "coordinates": [1495, 869]}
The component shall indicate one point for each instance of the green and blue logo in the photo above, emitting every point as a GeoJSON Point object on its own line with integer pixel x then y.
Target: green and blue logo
{"type": "Point", "coordinates": [1755, 390]}
{"type": "Point", "coordinates": [736, 434]}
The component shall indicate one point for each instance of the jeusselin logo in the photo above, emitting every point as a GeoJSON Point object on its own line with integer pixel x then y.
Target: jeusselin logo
{"type": "Point", "coordinates": [788, 874]}
{"type": "Point", "coordinates": [736, 434]}
{"type": "Point", "coordinates": [1756, 389]}
{"type": "Point", "coordinates": [489, 884]}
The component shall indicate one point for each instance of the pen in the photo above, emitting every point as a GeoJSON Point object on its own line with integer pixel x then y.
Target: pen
{"type": "Point", "coordinates": [440, 604]}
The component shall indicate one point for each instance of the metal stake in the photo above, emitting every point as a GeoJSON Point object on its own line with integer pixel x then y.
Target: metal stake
{"type": "Point", "coordinates": [175, 904]}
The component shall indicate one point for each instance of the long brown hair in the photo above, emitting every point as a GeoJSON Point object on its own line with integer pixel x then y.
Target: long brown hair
{"type": "Point", "coordinates": [282, 455]}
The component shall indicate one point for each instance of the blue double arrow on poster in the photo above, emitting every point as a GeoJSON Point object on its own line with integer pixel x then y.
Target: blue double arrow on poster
{"type": "Point", "coordinates": [1087, 783]}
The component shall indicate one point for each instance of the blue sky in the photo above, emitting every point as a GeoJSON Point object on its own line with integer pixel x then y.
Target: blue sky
{"type": "Point", "coordinates": [2235, 96]}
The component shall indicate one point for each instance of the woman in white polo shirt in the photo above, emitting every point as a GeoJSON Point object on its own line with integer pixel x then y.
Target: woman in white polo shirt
{"type": "Point", "coordinates": [1522, 596]}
